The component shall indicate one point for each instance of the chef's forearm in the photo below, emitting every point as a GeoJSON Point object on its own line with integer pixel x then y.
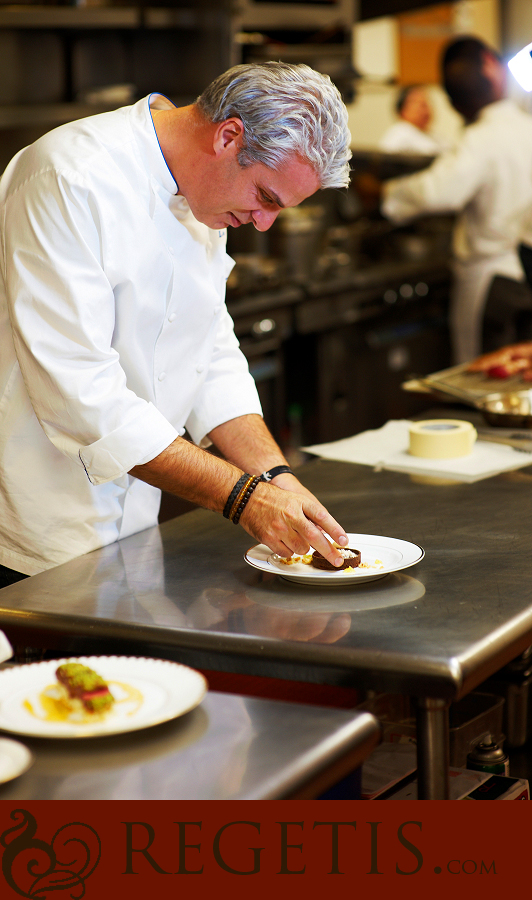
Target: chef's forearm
{"type": "Point", "coordinates": [248, 444]}
{"type": "Point", "coordinates": [202, 478]}
{"type": "Point", "coordinates": [193, 474]}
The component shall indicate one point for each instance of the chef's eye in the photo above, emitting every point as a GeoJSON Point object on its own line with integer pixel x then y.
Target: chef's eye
{"type": "Point", "coordinates": [269, 201]}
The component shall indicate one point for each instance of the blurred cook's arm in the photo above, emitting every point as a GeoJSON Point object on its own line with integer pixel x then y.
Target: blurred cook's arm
{"type": "Point", "coordinates": [446, 186]}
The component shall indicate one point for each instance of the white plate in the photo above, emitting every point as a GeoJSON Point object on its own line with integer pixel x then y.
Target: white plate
{"type": "Point", "coordinates": [160, 690]}
{"type": "Point", "coordinates": [394, 554]}
{"type": "Point", "coordinates": [15, 759]}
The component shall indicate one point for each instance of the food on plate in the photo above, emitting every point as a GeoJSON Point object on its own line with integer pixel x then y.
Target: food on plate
{"type": "Point", "coordinates": [351, 560]}
{"type": "Point", "coordinates": [378, 564]}
{"type": "Point", "coordinates": [292, 560]}
{"type": "Point", "coordinates": [83, 689]}
{"type": "Point", "coordinates": [511, 360]}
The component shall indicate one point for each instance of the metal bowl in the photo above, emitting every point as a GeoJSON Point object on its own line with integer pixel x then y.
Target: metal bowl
{"type": "Point", "coordinates": [511, 410]}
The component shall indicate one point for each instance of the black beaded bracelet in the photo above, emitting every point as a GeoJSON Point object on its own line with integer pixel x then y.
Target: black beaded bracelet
{"type": "Point", "coordinates": [234, 494]}
{"type": "Point", "coordinates": [247, 494]}
{"type": "Point", "coordinates": [277, 470]}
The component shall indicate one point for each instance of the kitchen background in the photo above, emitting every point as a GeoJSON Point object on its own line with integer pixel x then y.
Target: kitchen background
{"type": "Point", "coordinates": [334, 308]}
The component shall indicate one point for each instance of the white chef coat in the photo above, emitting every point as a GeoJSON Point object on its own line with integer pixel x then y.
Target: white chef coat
{"type": "Point", "coordinates": [488, 180]}
{"type": "Point", "coordinates": [403, 137]}
{"type": "Point", "coordinates": [114, 335]}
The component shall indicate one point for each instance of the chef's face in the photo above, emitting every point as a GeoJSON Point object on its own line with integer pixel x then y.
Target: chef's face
{"type": "Point", "coordinates": [232, 195]}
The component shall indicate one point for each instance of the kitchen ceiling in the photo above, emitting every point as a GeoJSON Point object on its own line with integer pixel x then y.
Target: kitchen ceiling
{"type": "Point", "coordinates": [372, 9]}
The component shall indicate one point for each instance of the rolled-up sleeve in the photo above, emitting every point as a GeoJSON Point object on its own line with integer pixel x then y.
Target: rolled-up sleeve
{"type": "Point", "coordinates": [116, 453]}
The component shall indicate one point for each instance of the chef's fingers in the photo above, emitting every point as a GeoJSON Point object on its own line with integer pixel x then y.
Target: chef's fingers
{"type": "Point", "coordinates": [323, 545]}
{"type": "Point", "coordinates": [321, 518]}
{"type": "Point", "coordinates": [281, 519]}
{"type": "Point", "coordinates": [288, 551]}
{"type": "Point", "coordinates": [293, 485]}
{"type": "Point", "coordinates": [309, 523]}
{"type": "Point", "coordinates": [321, 525]}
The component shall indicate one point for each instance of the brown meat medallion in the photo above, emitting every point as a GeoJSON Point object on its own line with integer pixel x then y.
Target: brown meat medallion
{"type": "Point", "coordinates": [351, 560]}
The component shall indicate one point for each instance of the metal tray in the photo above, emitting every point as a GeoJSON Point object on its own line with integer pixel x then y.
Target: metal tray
{"type": "Point", "coordinates": [475, 384]}
{"type": "Point", "coordinates": [508, 408]}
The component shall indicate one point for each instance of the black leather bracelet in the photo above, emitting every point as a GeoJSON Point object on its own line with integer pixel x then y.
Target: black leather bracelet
{"type": "Point", "coordinates": [240, 496]}
{"type": "Point", "coordinates": [277, 470]}
{"type": "Point", "coordinates": [234, 494]}
{"type": "Point", "coordinates": [247, 494]}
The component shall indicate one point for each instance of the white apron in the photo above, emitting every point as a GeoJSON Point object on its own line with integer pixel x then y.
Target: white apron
{"type": "Point", "coordinates": [471, 284]}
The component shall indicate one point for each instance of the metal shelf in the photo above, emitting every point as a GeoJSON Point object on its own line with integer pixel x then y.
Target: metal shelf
{"type": "Point", "coordinates": [34, 16]}
{"type": "Point", "coordinates": [36, 114]}
{"type": "Point", "coordinates": [53, 114]}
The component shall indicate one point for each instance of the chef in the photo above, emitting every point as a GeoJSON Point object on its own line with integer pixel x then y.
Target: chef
{"type": "Point", "coordinates": [115, 342]}
{"type": "Point", "coordinates": [410, 134]}
{"type": "Point", "coordinates": [487, 180]}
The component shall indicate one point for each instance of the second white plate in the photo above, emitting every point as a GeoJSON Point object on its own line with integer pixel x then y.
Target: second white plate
{"type": "Point", "coordinates": [394, 554]}
{"type": "Point", "coordinates": [147, 692]}
{"type": "Point", "coordinates": [15, 759]}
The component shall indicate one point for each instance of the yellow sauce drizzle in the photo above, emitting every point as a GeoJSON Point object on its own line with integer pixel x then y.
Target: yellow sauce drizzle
{"type": "Point", "coordinates": [56, 710]}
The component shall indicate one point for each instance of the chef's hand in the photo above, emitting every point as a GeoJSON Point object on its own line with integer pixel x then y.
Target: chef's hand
{"type": "Point", "coordinates": [290, 522]}
{"type": "Point", "coordinates": [289, 482]}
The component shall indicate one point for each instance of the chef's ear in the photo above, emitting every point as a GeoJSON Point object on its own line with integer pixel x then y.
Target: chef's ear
{"type": "Point", "coordinates": [228, 136]}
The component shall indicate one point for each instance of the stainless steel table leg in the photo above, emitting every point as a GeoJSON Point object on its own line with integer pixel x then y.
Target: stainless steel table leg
{"type": "Point", "coordinates": [432, 749]}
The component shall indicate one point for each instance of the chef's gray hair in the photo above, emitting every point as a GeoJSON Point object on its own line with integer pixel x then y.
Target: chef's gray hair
{"type": "Point", "coordinates": [285, 109]}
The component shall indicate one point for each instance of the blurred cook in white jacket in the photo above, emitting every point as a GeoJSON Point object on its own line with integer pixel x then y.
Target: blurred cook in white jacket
{"type": "Point", "coordinates": [411, 134]}
{"type": "Point", "coordinates": [487, 180]}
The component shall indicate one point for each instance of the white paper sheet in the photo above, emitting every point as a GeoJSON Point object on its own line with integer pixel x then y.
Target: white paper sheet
{"type": "Point", "coordinates": [387, 448]}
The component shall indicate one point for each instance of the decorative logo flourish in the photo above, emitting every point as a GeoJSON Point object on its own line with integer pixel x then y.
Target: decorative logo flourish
{"type": "Point", "coordinates": [33, 868]}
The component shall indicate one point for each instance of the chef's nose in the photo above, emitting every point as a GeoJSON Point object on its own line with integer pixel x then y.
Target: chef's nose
{"type": "Point", "coordinates": [263, 219]}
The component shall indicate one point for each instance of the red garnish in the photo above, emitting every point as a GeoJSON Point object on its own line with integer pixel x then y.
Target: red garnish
{"type": "Point", "coordinates": [498, 372]}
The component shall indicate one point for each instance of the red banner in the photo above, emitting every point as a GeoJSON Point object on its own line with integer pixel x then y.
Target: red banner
{"type": "Point", "coordinates": [95, 850]}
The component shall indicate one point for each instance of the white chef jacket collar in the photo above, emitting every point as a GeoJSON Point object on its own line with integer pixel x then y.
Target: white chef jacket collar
{"type": "Point", "coordinates": [148, 141]}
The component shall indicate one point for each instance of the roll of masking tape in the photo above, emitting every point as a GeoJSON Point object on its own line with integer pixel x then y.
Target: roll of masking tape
{"type": "Point", "coordinates": [441, 438]}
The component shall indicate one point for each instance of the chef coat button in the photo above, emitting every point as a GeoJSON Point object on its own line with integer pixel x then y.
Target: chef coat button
{"type": "Point", "coordinates": [162, 376]}
{"type": "Point", "coordinates": [171, 317]}
{"type": "Point", "coordinates": [199, 369]}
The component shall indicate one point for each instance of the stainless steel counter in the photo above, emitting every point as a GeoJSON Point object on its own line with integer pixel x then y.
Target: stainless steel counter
{"type": "Point", "coordinates": [228, 748]}
{"type": "Point", "coordinates": [434, 631]}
